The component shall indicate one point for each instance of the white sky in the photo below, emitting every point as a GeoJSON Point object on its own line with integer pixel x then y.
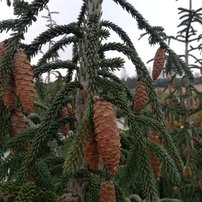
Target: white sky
{"type": "Point", "coordinates": [158, 13]}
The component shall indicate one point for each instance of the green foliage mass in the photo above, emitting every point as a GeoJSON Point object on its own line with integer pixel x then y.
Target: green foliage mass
{"type": "Point", "coordinates": [40, 163]}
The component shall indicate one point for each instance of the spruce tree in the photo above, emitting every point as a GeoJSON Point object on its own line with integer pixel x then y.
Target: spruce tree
{"type": "Point", "coordinates": [93, 159]}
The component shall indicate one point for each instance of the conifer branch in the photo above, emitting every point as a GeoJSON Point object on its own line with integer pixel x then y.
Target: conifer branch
{"type": "Point", "coordinates": [47, 121]}
{"type": "Point", "coordinates": [117, 80]}
{"type": "Point", "coordinates": [148, 185]}
{"type": "Point", "coordinates": [7, 25]}
{"type": "Point", "coordinates": [39, 70]}
{"type": "Point", "coordinates": [5, 130]}
{"type": "Point", "coordinates": [9, 187]}
{"type": "Point", "coordinates": [142, 23]}
{"type": "Point", "coordinates": [74, 155]}
{"type": "Point", "coordinates": [42, 171]}
{"type": "Point", "coordinates": [112, 63]}
{"type": "Point", "coordinates": [55, 47]}
{"type": "Point", "coordinates": [82, 14]}
{"type": "Point", "coordinates": [46, 36]}
{"type": "Point", "coordinates": [123, 35]}
{"type": "Point", "coordinates": [10, 165]}
{"type": "Point", "coordinates": [27, 192]}
{"type": "Point", "coordinates": [167, 163]}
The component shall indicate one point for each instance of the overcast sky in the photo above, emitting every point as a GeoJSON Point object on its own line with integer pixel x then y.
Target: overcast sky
{"type": "Point", "coordinates": [157, 12]}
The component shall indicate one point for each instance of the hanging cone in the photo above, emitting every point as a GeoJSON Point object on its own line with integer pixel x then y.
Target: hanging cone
{"type": "Point", "coordinates": [24, 81]}
{"type": "Point", "coordinates": [18, 123]}
{"type": "Point", "coordinates": [159, 60]}
{"type": "Point", "coordinates": [64, 112]}
{"type": "Point", "coordinates": [107, 136]}
{"type": "Point", "coordinates": [91, 155]}
{"type": "Point", "coordinates": [107, 192]}
{"type": "Point", "coordinates": [140, 97]}
{"type": "Point", "coordinates": [155, 163]}
{"type": "Point", "coordinates": [8, 95]}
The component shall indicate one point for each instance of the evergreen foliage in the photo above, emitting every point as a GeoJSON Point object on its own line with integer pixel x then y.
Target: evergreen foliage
{"type": "Point", "coordinates": [39, 163]}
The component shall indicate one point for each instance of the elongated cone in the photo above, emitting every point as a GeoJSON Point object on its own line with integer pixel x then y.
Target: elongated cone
{"type": "Point", "coordinates": [107, 192]}
{"type": "Point", "coordinates": [64, 112]}
{"type": "Point", "coordinates": [140, 97]}
{"type": "Point", "coordinates": [8, 95]}
{"type": "Point", "coordinates": [159, 60]}
{"type": "Point", "coordinates": [24, 80]}
{"type": "Point", "coordinates": [91, 155]}
{"type": "Point", "coordinates": [106, 134]}
{"type": "Point", "coordinates": [155, 163]}
{"type": "Point", "coordinates": [18, 123]}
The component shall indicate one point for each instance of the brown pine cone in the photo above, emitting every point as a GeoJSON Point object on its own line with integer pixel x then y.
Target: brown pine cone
{"type": "Point", "coordinates": [91, 155]}
{"type": "Point", "coordinates": [18, 123]}
{"type": "Point", "coordinates": [159, 60]}
{"type": "Point", "coordinates": [106, 134]}
{"type": "Point", "coordinates": [155, 163]}
{"type": "Point", "coordinates": [24, 81]}
{"type": "Point", "coordinates": [107, 192]}
{"type": "Point", "coordinates": [8, 95]}
{"type": "Point", "coordinates": [140, 97]}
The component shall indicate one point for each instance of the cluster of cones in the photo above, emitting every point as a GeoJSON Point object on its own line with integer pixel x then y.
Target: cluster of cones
{"type": "Point", "coordinates": [104, 145]}
{"type": "Point", "coordinates": [21, 86]}
{"type": "Point", "coordinates": [140, 96]}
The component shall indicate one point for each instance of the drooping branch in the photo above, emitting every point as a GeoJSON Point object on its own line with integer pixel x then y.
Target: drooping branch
{"type": "Point", "coordinates": [46, 36]}
{"type": "Point", "coordinates": [55, 47]}
{"type": "Point", "coordinates": [38, 70]}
